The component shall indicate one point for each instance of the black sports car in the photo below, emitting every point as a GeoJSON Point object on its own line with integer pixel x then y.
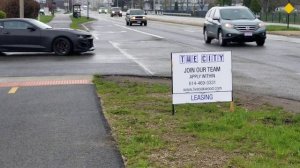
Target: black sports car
{"type": "Point", "coordinates": [30, 35]}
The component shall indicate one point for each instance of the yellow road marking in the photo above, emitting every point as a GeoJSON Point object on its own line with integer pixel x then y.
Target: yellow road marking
{"type": "Point", "coordinates": [13, 90]}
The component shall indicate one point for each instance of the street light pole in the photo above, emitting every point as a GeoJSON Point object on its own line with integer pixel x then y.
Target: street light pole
{"type": "Point", "coordinates": [88, 8]}
{"type": "Point", "coordinates": [21, 8]}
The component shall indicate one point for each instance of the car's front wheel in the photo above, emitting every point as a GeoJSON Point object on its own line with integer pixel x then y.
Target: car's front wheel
{"type": "Point", "coordinates": [130, 24]}
{"type": "Point", "coordinates": [260, 42]}
{"type": "Point", "coordinates": [62, 46]}
{"type": "Point", "coordinates": [145, 24]}
{"type": "Point", "coordinates": [206, 38]}
{"type": "Point", "coordinates": [222, 42]}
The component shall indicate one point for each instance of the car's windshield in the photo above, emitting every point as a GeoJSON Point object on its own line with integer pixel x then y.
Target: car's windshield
{"type": "Point", "coordinates": [136, 12]}
{"type": "Point", "coordinates": [40, 24]}
{"type": "Point", "coordinates": [236, 14]}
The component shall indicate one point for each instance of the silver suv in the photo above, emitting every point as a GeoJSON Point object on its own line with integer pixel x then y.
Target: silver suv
{"type": "Point", "coordinates": [233, 24]}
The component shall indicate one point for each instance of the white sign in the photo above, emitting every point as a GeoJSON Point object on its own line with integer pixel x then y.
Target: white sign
{"type": "Point", "coordinates": [201, 77]}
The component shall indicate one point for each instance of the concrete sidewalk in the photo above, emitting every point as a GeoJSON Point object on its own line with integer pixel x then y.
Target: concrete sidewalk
{"type": "Point", "coordinates": [61, 21]}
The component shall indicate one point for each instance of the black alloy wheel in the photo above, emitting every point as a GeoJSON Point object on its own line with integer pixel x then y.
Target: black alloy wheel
{"type": "Point", "coordinates": [260, 42]}
{"type": "Point", "coordinates": [62, 46]}
{"type": "Point", "coordinates": [222, 42]}
{"type": "Point", "coordinates": [206, 38]}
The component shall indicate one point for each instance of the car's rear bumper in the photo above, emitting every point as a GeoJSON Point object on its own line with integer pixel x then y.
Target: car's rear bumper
{"type": "Point", "coordinates": [116, 14]}
{"type": "Point", "coordinates": [138, 21]}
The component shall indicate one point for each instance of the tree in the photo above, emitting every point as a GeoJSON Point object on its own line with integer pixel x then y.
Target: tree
{"type": "Point", "coordinates": [225, 2]}
{"type": "Point", "coordinates": [176, 6]}
{"type": "Point", "coordinates": [2, 15]}
{"type": "Point", "coordinates": [247, 3]}
{"type": "Point", "coordinates": [255, 6]}
{"type": "Point", "coordinates": [31, 7]}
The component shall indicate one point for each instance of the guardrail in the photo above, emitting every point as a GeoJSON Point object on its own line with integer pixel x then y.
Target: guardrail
{"type": "Point", "coordinates": [177, 13]}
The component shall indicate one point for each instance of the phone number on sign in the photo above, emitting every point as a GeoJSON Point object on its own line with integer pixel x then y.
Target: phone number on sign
{"type": "Point", "coordinates": [210, 82]}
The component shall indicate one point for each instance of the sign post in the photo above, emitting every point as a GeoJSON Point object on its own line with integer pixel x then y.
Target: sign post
{"type": "Point", "coordinates": [201, 77]}
{"type": "Point", "coordinates": [289, 8]}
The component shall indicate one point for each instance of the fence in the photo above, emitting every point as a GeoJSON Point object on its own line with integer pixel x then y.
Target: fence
{"type": "Point", "coordinates": [178, 13]}
{"type": "Point", "coordinates": [275, 17]}
{"type": "Point", "coordinates": [280, 17]}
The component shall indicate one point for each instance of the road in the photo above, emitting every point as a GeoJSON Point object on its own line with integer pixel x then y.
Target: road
{"type": "Point", "coordinates": [120, 49]}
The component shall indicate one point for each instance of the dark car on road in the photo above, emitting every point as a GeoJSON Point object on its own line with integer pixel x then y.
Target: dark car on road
{"type": "Point", "coordinates": [115, 11]}
{"type": "Point", "coordinates": [233, 24]}
{"type": "Point", "coordinates": [30, 35]}
{"type": "Point", "coordinates": [136, 16]}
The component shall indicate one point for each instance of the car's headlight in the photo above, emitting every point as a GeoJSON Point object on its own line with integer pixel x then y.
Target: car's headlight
{"type": "Point", "coordinates": [113, 11]}
{"type": "Point", "coordinates": [133, 17]}
{"type": "Point", "coordinates": [144, 17]}
{"type": "Point", "coordinates": [229, 26]}
{"type": "Point", "coordinates": [261, 25]}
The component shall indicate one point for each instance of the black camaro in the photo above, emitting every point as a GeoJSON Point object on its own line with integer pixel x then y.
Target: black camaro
{"type": "Point", "coordinates": [30, 35]}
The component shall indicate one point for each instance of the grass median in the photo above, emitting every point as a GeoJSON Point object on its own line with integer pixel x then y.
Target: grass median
{"type": "Point", "coordinates": [45, 18]}
{"type": "Point", "coordinates": [281, 28]}
{"type": "Point", "coordinates": [199, 135]}
{"type": "Point", "coordinates": [77, 22]}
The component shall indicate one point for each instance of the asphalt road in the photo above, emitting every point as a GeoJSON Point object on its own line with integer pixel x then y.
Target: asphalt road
{"type": "Point", "coordinates": [120, 49]}
{"type": "Point", "coordinates": [55, 127]}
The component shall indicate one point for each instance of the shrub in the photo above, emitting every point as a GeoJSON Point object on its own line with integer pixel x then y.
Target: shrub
{"type": "Point", "coordinates": [2, 15]}
{"type": "Point", "coordinates": [31, 9]}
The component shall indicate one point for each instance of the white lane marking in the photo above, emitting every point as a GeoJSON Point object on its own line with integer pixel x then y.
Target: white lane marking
{"type": "Point", "coordinates": [191, 31]}
{"type": "Point", "coordinates": [111, 32]}
{"type": "Point", "coordinates": [140, 31]}
{"type": "Point", "coordinates": [87, 29]}
{"type": "Point", "coordinates": [116, 45]}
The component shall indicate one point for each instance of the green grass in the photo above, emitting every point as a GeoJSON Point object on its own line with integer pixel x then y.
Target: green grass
{"type": "Point", "coordinates": [76, 22]}
{"type": "Point", "coordinates": [281, 28]}
{"type": "Point", "coordinates": [140, 116]}
{"type": "Point", "coordinates": [46, 18]}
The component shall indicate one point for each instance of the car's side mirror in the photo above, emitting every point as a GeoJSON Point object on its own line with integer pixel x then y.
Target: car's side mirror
{"type": "Point", "coordinates": [145, 13]}
{"type": "Point", "coordinates": [257, 16]}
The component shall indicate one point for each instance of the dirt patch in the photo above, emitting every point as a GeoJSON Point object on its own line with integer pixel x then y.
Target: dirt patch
{"type": "Point", "coordinates": [254, 101]}
{"type": "Point", "coordinates": [248, 100]}
{"type": "Point", "coordinates": [184, 151]}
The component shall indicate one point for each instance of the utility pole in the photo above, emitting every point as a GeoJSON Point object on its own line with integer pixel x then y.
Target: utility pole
{"type": "Point", "coordinates": [88, 9]}
{"type": "Point", "coordinates": [131, 3]}
{"type": "Point", "coordinates": [21, 8]}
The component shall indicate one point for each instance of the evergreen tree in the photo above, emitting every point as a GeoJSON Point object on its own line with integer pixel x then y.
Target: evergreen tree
{"type": "Point", "coordinates": [247, 3]}
{"type": "Point", "coordinates": [176, 6]}
{"type": "Point", "coordinates": [225, 2]}
{"type": "Point", "coordinates": [255, 6]}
